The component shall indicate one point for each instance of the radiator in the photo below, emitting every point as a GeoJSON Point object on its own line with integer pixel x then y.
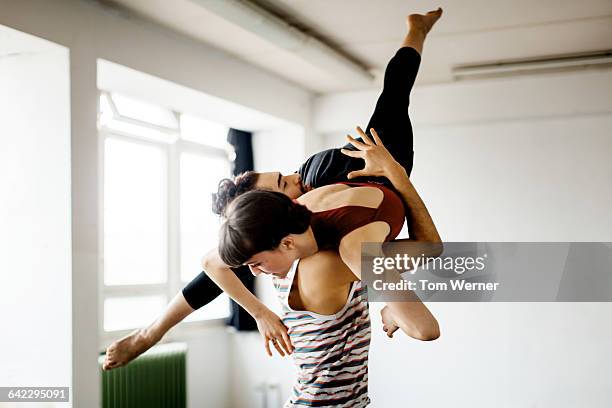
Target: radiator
{"type": "Point", "coordinates": [155, 379]}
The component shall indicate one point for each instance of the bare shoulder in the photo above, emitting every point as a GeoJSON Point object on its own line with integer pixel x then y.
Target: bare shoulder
{"type": "Point", "coordinates": [313, 196]}
{"type": "Point", "coordinates": [322, 260]}
{"type": "Point", "coordinates": [326, 267]}
{"type": "Point", "coordinates": [212, 259]}
{"type": "Point", "coordinates": [339, 195]}
{"type": "Point", "coordinates": [375, 231]}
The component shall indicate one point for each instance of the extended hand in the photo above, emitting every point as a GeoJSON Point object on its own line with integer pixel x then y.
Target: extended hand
{"type": "Point", "coordinates": [273, 330]}
{"type": "Point", "coordinates": [378, 160]}
{"type": "Point", "coordinates": [389, 325]}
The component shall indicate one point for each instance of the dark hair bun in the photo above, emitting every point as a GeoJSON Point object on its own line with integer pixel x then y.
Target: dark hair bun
{"type": "Point", "coordinates": [229, 189]}
{"type": "Point", "coordinates": [226, 192]}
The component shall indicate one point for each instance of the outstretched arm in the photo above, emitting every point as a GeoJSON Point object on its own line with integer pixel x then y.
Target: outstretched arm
{"type": "Point", "coordinates": [269, 324]}
{"type": "Point", "coordinates": [126, 349]}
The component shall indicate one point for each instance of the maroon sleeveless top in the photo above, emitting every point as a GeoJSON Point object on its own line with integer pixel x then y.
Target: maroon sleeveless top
{"type": "Point", "coordinates": [330, 226]}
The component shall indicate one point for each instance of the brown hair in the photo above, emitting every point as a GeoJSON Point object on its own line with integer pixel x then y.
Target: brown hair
{"type": "Point", "coordinates": [257, 221]}
{"type": "Point", "coordinates": [229, 189]}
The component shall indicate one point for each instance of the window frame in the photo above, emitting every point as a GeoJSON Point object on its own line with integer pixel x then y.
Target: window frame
{"type": "Point", "coordinates": [172, 150]}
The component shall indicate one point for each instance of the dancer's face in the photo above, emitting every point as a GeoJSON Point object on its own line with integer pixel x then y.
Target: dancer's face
{"type": "Point", "coordinates": [275, 262]}
{"type": "Point", "coordinates": [290, 185]}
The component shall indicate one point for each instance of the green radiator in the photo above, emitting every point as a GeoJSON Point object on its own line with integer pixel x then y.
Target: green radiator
{"type": "Point", "coordinates": [158, 378]}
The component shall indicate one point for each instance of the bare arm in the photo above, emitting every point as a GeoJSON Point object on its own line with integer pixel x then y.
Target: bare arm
{"type": "Point", "coordinates": [227, 280]}
{"type": "Point", "coordinates": [422, 231]}
{"type": "Point", "coordinates": [420, 224]}
{"type": "Point", "coordinates": [412, 316]}
{"type": "Point", "coordinates": [176, 311]}
{"type": "Point", "coordinates": [269, 324]}
{"type": "Point", "coordinates": [124, 350]}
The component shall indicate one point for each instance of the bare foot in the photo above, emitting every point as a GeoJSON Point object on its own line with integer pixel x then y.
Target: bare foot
{"type": "Point", "coordinates": [389, 324]}
{"type": "Point", "coordinates": [126, 349]}
{"type": "Point", "coordinates": [424, 22]}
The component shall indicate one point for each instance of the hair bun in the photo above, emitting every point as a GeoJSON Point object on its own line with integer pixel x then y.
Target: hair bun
{"type": "Point", "coordinates": [229, 189]}
{"type": "Point", "coordinates": [226, 192]}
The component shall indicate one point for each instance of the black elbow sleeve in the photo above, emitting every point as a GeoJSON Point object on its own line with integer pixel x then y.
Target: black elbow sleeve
{"type": "Point", "coordinates": [201, 291]}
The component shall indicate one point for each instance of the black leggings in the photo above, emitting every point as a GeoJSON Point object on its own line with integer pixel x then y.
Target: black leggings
{"type": "Point", "coordinates": [392, 123]}
{"type": "Point", "coordinates": [390, 118]}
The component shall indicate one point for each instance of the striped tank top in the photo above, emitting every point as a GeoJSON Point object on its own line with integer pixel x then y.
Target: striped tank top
{"type": "Point", "coordinates": [331, 351]}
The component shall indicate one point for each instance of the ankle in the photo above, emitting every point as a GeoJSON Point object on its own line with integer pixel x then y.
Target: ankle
{"type": "Point", "coordinates": [145, 338]}
{"type": "Point", "coordinates": [418, 33]}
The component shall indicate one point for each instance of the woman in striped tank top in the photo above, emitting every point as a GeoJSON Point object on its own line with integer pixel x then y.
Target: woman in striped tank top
{"type": "Point", "coordinates": [326, 313]}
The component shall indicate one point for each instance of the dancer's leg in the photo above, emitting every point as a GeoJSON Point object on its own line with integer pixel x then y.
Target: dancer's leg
{"type": "Point", "coordinates": [199, 292]}
{"type": "Point", "coordinates": [390, 117]}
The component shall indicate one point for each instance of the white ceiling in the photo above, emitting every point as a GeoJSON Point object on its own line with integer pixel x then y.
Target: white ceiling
{"type": "Point", "coordinates": [369, 32]}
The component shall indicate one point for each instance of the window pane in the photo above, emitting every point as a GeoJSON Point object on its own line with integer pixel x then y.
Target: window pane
{"type": "Point", "coordinates": [134, 214]}
{"type": "Point", "coordinates": [217, 309]}
{"type": "Point", "coordinates": [142, 132]}
{"type": "Point", "coordinates": [202, 131]}
{"type": "Point", "coordinates": [200, 177]}
{"type": "Point", "coordinates": [122, 313]}
{"type": "Point", "coordinates": [145, 112]}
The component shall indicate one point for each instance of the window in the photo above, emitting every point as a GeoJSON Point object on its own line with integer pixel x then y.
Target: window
{"type": "Point", "coordinates": [134, 213]}
{"type": "Point", "coordinates": [199, 225]}
{"type": "Point", "coordinates": [160, 169]}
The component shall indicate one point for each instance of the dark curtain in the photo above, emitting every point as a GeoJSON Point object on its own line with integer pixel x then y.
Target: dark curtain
{"type": "Point", "coordinates": [242, 143]}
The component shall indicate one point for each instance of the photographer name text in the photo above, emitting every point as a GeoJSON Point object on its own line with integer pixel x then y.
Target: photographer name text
{"type": "Point", "coordinates": [424, 284]}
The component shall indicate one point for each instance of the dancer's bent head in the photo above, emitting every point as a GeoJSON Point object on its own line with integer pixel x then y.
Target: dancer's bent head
{"type": "Point", "coordinates": [228, 189]}
{"type": "Point", "coordinates": [262, 230]}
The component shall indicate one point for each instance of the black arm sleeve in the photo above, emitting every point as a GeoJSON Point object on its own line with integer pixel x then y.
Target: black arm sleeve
{"type": "Point", "coordinates": [201, 291]}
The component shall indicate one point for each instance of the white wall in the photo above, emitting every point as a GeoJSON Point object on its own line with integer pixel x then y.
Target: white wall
{"type": "Point", "coordinates": [35, 238]}
{"type": "Point", "coordinates": [253, 371]}
{"type": "Point", "coordinates": [91, 32]}
{"type": "Point", "coordinates": [208, 368]}
{"type": "Point", "coordinates": [517, 159]}
{"type": "Point", "coordinates": [280, 149]}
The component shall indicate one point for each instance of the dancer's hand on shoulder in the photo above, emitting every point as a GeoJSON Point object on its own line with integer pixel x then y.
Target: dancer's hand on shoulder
{"type": "Point", "coordinates": [389, 325]}
{"type": "Point", "coordinates": [274, 331]}
{"type": "Point", "coordinates": [378, 160]}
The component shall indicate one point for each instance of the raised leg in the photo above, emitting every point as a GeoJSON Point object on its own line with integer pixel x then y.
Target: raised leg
{"type": "Point", "coordinates": [390, 117]}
